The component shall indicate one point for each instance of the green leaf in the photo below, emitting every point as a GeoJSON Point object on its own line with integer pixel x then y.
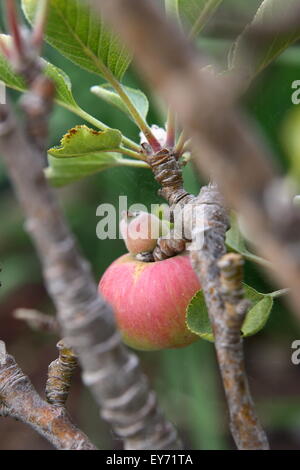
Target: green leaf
{"type": "Point", "coordinates": [137, 97]}
{"type": "Point", "coordinates": [81, 141]}
{"type": "Point", "coordinates": [77, 32]}
{"type": "Point", "coordinates": [264, 53]}
{"type": "Point", "coordinates": [236, 242]}
{"type": "Point", "coordinates": [62, 82]}
{"type": "Point", "coordinates": [195, 12]}
{"type": "Point", "coordinates": [63, 171]}
{"type": "Point", "coordinates": [197, 319]}
{"type": "Point", "coordinates": [198, 322]}
{"type": "Point", "coordinates": [258, 315]}
{"type": "Point", "coordinates": [82, 152]}
{"type": "Point", "coordinates": [63, 85]}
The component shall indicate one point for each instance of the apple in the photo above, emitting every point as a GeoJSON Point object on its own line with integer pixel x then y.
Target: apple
{"type": "Point", "coordinates": [150, 300]}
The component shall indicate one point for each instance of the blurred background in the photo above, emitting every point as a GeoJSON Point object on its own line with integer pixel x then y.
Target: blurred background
{"type": "Point", "coordinates": [187, 380]}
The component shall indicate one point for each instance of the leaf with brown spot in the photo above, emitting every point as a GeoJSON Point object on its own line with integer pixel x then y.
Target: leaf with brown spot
{"type": "Point", "coordinates": [82, 152]}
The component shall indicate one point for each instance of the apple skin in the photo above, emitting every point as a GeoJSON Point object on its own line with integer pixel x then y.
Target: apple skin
{"type": "Point", "coordinates": [150, 300]}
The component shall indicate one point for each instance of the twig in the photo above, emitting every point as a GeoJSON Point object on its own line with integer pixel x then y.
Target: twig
{"type": "Point", "coordinates": [19, 400]}
{"type": "Point", "coordinates": [60, 374]}
{"type": "Point", "coordinates": [245, 426]}
{"type": "Point", "coordinates": [180, 144]}
{"type": "Point", "coordinates": [37, 320]}
{"type": "Point", "coordinates": [40, 24]}
{"type": "Point", "coordinates": [12, 19]}
{"type": "Point", "coordinates": [171, 130]}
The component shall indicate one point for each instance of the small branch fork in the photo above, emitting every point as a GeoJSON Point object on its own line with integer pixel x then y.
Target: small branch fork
{"type": "Point", "coordinates": [60, 371]}
{"type": "Point", "coordinates": [111, 372]}
{"type": "Point", "coordinates": [19, 400]}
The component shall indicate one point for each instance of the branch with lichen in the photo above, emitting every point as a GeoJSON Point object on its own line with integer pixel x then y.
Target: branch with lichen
{"type": "Point", "coordinates": [19, 400]}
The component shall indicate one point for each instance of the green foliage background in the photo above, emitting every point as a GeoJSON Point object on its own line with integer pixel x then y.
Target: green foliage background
{"type": "Point", "coordinates": [186, 380]}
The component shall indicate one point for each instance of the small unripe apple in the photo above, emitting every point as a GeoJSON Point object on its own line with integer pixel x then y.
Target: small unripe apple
{"type": "Point", "coordinates": [141, 230]}
{"type": "Point", "coordinates": [150, 300]}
